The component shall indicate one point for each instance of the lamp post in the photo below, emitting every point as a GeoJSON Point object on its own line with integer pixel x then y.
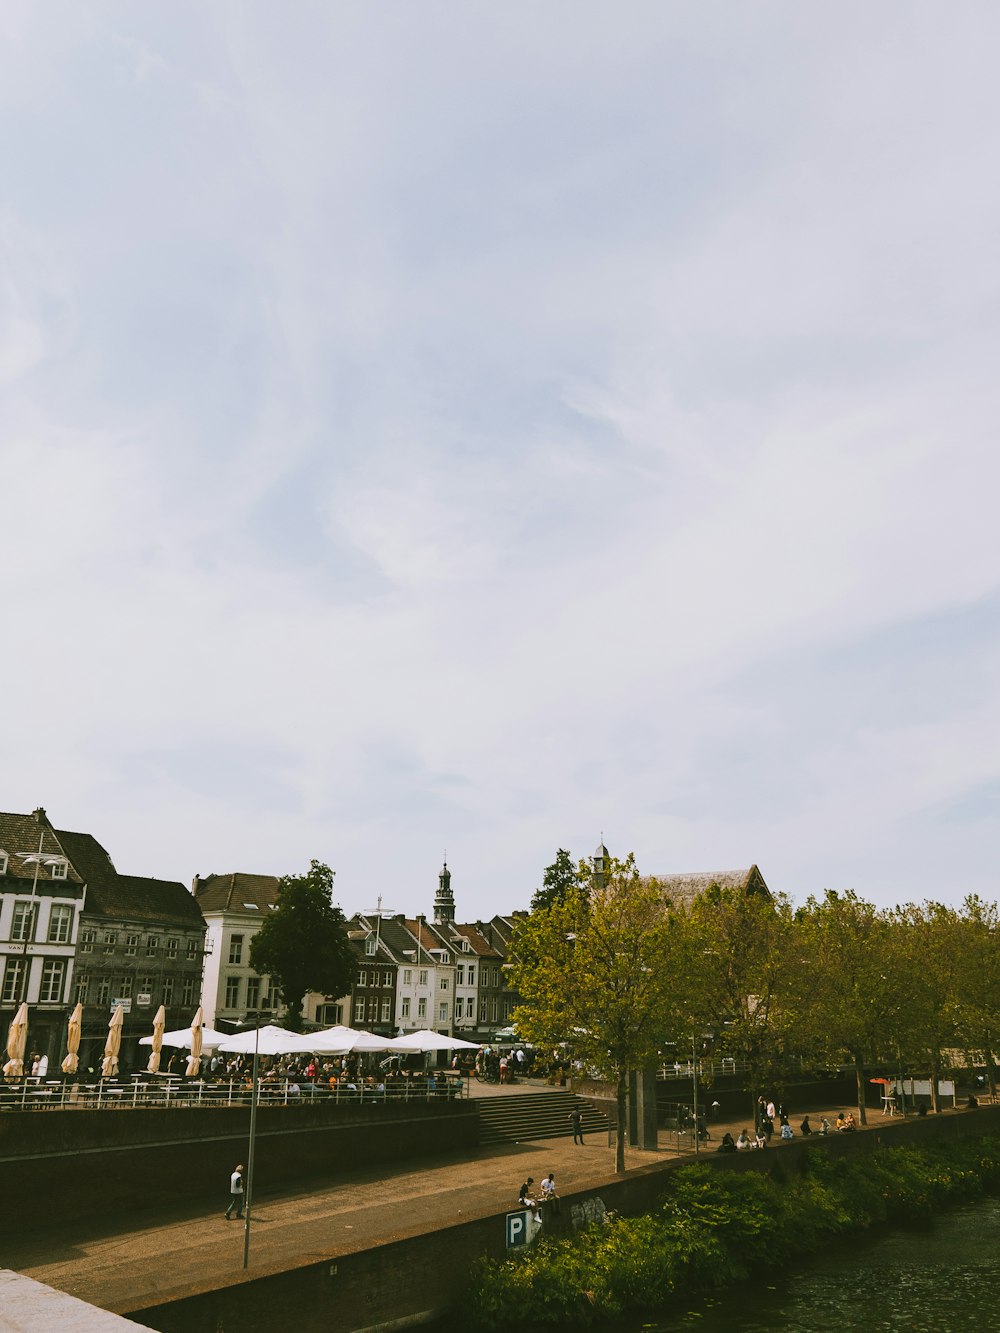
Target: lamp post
{"type": "Point", "coordinates": [248, 1200]}
{"type": "Point", "coordinates": [694, 1079]}
{"type": "Point", "coordinates": [39, 859]}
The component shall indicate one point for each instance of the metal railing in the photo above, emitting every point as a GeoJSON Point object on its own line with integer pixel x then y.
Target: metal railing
{"type": "Point", "coordinates": [33, 1094]}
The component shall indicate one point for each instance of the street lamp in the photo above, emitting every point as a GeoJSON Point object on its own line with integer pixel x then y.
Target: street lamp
{"type": "Point", "coordinates": [38, 859]}
{"type": "Point", "coordinates": [248, 1200]}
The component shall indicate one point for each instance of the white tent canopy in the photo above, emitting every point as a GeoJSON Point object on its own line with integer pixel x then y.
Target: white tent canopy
{"type": "Point", "coordinates": [343, 1041]}
{"type": "Point", "coordinates": [431, 1041]}
{"type": "Point", "coordinates": [210, 1039]}
{"type": "Point", "coordinates": [268, 1040]}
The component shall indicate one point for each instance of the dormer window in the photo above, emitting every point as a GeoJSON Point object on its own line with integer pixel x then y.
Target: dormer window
{"type": "Point", "coordinates": [3, 862]}
{"type": "Point", "coordinates": [251, 907]}
{"type": "Point", "coordinates": [60, 869]}
{"type": "Point", "coordinates": [370, 946]}
{"type": "Point", "coordinates": [466, 946]}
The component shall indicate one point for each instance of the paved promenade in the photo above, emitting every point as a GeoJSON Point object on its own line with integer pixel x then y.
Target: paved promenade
{"type": "Point", "coordinates": [172, 1252]}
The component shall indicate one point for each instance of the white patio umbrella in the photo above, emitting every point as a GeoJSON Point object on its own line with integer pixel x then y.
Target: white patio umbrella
{"type": "Point", "coordinates": [197, 1038]}
{"type": "Point", "coordinates": [343, 1041]}
{"type": "Point", "coordinates": [17, 1037]}
{"type": "Point", "coordinates": [159, 1023]}
{"type": "Point", "coordinates": [182, 1038]}
{"type": "Point", "coordinates": [109, 1065]}
{"type": "Point", "coordinates": [269, 1040]}
{"type": "Point", "coordinates": [431, 1041]}
{"type": "Point", "coordinates": [69, 1065]}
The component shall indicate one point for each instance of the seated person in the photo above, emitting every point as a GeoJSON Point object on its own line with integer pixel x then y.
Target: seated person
{"type": "Point", "coordinates": [972, 1103]}
{"type": "Point", "coordinates": [728, 1143]}
{"type": "Point", "coordinates": [805, 1127]}
{"type": "Point", "coordinates": [743, 1141]}
{"type": "Point", "coordinates": [824, 1125]}
{"type": "Point", "coordinates": [841, 1122]}
{"type": "Point", "coordinates": [526, 1197]}
{"type": "Point", "coordinates": [761, 1139]}
{"type": "Point", "coordinates": [549, 1196]}
{"type": "Point", "coordinates": [852, 1124]}
{"type": "Point", "coordinates": [786, 1131]}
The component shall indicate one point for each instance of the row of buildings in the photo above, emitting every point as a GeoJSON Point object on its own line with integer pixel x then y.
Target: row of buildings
{"type": "Point", "coordinates": [73, 929]}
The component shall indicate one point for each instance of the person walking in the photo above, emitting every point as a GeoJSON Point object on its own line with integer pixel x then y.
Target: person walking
{"type": "Point", "coordinates": [235, 1193]}
{"type": "Point", "coordinates": [577, 1121]}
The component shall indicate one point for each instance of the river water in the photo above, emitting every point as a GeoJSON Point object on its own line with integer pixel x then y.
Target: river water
{"type": "Point", "coordinates": [932, 1280]}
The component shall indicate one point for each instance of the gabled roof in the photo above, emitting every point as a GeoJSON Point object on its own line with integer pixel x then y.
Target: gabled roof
{"type": "Point", "coordinates": [232, 893]}
{"type": "Point", "coordinates": [128, 897]}
{"type": "Point", "coordinates": [20, 836]}
{"type": "Point", "coordinates": [684, 889]}
{"type": "Point", "coordinates": [430, 936]}
{"type": "Point", "coordinates": [478, 943]}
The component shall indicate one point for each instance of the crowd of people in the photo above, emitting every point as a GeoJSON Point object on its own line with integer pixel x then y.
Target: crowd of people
{"type": "Point", "coordinates": [768, 1113]}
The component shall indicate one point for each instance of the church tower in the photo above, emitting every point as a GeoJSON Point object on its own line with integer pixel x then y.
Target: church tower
{"type": "Point", "coordinates": [601, 865]}
{"type": "Point", "coordinates": [444, 900]}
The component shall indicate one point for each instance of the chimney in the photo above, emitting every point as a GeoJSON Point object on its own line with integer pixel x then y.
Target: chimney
{"type": "Point", "coordinates": [40, 817]}
{"type": "Point", "coordinates": [196, 885]}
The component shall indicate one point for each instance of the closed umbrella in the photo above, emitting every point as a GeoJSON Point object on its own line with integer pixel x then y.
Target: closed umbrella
{"type": "Point", "coordinates": [109, 1065]}
{"type": "Point", "coordinates": [17, 1039]}
{"type": "Point", "coordinates": [69, 1065]}
{"type": "Point", "coordinates": [194, 1059]}
{"type": "Point", "coordinates": [159, 1023]}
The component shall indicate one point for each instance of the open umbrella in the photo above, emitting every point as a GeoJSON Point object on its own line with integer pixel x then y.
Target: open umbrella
{"type": "Point", "coordinates": [69, 1065]}
{"type": "Point", "coordinates": [182, 1037]}
{"type": "Point", "coordinates": [159, 1023]}
{"type": "Point", "coordinates": [194, 1059]}
{"type": "Point", "coordinates": [342, 1041]}
{"type": "Point", "coordinates": [431, 1041]}
{"type": "Point", "coordinates": [16, 1040]}
{"type": "Point", "coordinates": [886, 1081]}
{"type": "Point", "coordinates": [109, 1065]}
{"type": "Point", "coordinates": [269, 1040]}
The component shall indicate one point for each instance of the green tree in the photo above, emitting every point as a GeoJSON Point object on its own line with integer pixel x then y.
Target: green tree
{"type": "Point", "coordinates": [848, 999]}
{"type": "Point", "coordinates": [559, 879]}
{"type": "Point", "coordinates": [303, 944]}
{"type": "Point", "coordinates": [589, 972]}
{"type": "Point", "coordinates": [978, 983]}
{"type": "Point", "coordinates": [928, 942]}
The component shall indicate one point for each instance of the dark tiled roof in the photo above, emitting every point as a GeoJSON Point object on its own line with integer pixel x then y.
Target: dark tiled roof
{"type": "Point", "coordinates": [686, 888]}
{"type": "Point", "coordinates": [19, 834]}
{"type": "Point", "coordinates": [128, 897]}
{"type": "Point", "coordinates": [231, 893]}
{"type": "Point", "coordinates": [478, 944]}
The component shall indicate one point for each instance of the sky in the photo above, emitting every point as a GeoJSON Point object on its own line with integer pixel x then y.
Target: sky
{"type": "Point", "coordinates": [450, 428]}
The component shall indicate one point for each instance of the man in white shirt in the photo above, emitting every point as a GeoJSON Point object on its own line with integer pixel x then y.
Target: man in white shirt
{"type": "Point", "coordinates": [235, 1193]}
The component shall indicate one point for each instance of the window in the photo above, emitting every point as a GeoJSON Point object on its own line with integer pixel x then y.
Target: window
{"type": "Point", "coordinates": [444, 983]}
{"type": "Point", "coordinates": [421, 1008]}
{"type": "Point", "coordinates": [125, 989]}
{"type": "Point", "coordinates": [192, 949]}
{"type": "Point", "coordinates": [60, 923]}
{"type": "Point", "coordinates": [131, 943]}
{"type": "Point", "coordinates": [472, 974]}
{"type": "Point", "coordinates": [235, 950]}
{"type": "Point", "coordinates": [386, 978]}
{"type": "Point", "coordinates": [152, 944]}
{"type": "Point", "coordinates": [103, 990]}
{"type": "Point", "coordinates": [460, 974]}
{"type": "Point", "coordinates": [443, 1013]}
{"type": "Point", "coordinates": [459, 1007]}
{"type": "Point", "coordinates": [12, 981]}
{"type": "Point", "coordinates": [87, 938]}
{"type": "Point", "coordinates": [145, 986]}
{"type": "Point", "coordinates": [59, 869]}
{"type": "Point", "coordinates": [232, 992]}
{"type": "Point", "coordinates": [470, 1008]}
{"type": "Point", "coordinates": [466, 946]}
{"type": "Point", "coordinates": [404, 1008]}
{"type": "Point", "coordinates": [53, 978]}
{"type": "Point", "coordinates": [3, 863]}
{"type": "Point", "coordinates": [370, 946]}
{"type": "Point", "coordinates": [24, 921]}
{"type": "Point", "coordinates": [82, 986]}
{"type": "Point", "coordinates": [359, 1009]}
{"type": "Point", "coordinates": [386, 1009]}
{"type": "Point", "coordinates": [172, 948]}
{"type": "Point", "coordinates": [110, 940]}
{"type": "Point", "coordinates": [187, 991]}
{"type": "Point", "coordinates": [330, 1014]}
{"type": "Point", "coordinates": [407, 976]}
{"type": "Point", "coordinates": [253, 992]}
{"type": "Point", "coordinates": [168, 990]}
{"type": "Point", "coordinates": [423, 976]}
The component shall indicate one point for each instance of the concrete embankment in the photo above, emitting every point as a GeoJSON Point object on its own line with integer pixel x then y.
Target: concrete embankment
{"type": "Point", "coordinates": [387, 1247]}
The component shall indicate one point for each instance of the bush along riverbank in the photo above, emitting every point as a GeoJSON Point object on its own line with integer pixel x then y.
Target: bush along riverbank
{"type": "Point", "coordinates": [715, 1227]}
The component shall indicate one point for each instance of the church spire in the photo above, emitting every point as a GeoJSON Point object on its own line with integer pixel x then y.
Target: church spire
{"type": "Point", "coordinates": [444, 899]}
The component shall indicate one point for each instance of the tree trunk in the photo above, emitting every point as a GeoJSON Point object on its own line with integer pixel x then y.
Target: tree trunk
{"type": "Point", "coordinates": [991, 1080]}
{"type": "Point", "coordinates": [935, 1068]}
{"type": "Point", "coordinates": [859, 1074]}
{"type": "Point", "coordinates": [620, 1093]}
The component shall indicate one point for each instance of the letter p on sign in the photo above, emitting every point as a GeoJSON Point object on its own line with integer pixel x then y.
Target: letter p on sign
{"type": "Point", "coordinates": [517, 1229]}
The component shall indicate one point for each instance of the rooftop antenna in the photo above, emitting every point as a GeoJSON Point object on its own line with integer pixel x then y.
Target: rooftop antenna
{"type": "Point", "coordinates": [377, 912]}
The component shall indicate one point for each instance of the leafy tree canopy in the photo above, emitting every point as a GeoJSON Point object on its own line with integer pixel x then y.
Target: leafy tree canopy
{"type": "Point", "coordinates": [559, 879]}
{"type": "Point", "coordinates": [303, 944]}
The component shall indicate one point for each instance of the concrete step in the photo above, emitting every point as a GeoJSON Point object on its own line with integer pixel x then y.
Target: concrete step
{"type": "Point", "coordinates": [542, 1115]}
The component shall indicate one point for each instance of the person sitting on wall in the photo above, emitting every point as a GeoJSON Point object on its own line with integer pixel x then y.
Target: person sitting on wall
{"type": "Point", "coordinates": [549, 1196]}
{"type": "Point", "coordinates": [786, 1131]}
{"type": "Point", "coordinates": [841, 1122]}
{"type": "Point", "coordinates": [728, 1143]}
{"type": "Point", "coordinates": [761, 1139]}
{"type": "Point", "coordinates": [743, 1141]}
{"type": "Point", "coordinates": [824, 1125]}
{"type": "Point", "coordinates": [805, 1128]}
{"type": "Point", "coordinates": [526, 1198]}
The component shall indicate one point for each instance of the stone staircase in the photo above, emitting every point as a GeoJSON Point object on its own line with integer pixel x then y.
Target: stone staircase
{"type": "Point", "coordinates": [535, 1115]}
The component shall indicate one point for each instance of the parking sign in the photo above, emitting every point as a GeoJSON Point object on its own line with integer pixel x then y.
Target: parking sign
{"type": "Point", "coordinates": [517, 1229]}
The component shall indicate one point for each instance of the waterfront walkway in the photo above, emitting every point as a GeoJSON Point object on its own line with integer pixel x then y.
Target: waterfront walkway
{"type": "Point", "coordinates": [163, 1254]}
